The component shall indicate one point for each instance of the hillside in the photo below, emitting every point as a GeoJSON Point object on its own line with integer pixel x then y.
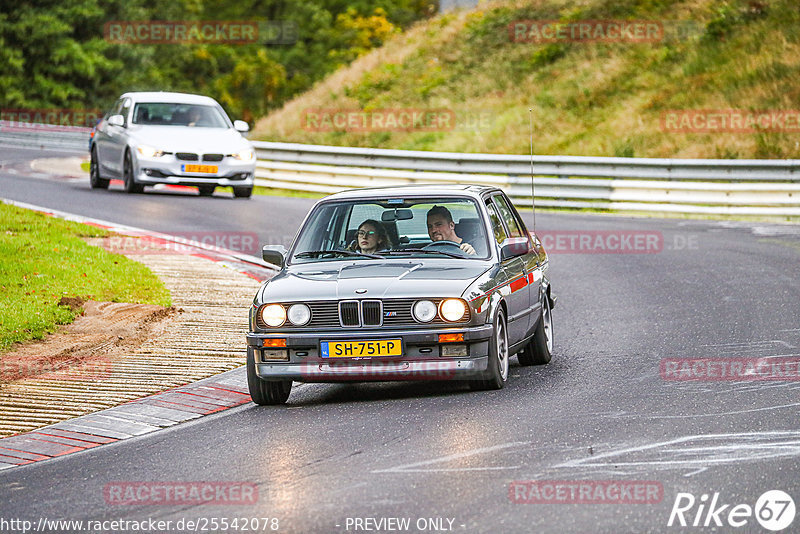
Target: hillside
{"type": "Point", "coordinates": [589, 97]}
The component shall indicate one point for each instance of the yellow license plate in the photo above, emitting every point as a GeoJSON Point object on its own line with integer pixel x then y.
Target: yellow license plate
{"type": "Point", "coordinates": [206, 169]}
{"type": "Point", "coordinates": [361, 349]}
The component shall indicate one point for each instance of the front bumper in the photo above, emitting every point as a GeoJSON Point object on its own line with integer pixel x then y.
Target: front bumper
{"type": "Point", "coordinates": [170, 170]}
{"type": "Point", "coordinates": [421, 358]}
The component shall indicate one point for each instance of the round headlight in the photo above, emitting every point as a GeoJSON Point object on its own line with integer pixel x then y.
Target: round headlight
{"type": "Point", "coordinates": [299, 314]}
{"type": "Point", "coordinates": [424, 311]}
{"type": "Point", "coordinates": [452, 309]}
{"type": "Point", "coordinates": [273, 315]}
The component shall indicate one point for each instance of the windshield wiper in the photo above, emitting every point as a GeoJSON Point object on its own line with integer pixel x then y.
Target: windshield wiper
{"type": "Point", "coordinates": [334, 252]}
{"type": "Point", "coordinates": [425, 251]}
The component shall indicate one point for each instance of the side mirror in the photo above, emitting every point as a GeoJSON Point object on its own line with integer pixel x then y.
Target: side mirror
{"type": "Point", "coordinates": [241, 126]}
{"type": "Point", "coordinates": [513, 247]}
{"type": "Point", "coordinates": [274, 254]}
{"type": "Point", "coordinates": [116, 120]}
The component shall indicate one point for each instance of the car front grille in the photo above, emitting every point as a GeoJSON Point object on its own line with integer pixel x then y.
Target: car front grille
{"type": "Point", "coordinates": [212, 157]}
{"type": "Point", "coordinates": [186, 156]}
{"type": "Point", "coordinates": [389, 313]}
{"type": "Point", "coordinates": [348, 313]}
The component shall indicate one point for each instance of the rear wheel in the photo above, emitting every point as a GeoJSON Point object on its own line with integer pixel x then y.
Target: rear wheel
{"type": "Point", "coordinates": [94, 173]}
{"type": "Point", "coordinates": [206, 190]}
{"type": "Point", "coordinates": [127, 173]}
{"type": "Point", "coordinates": [497, 370]}
{"type": "Point", "coordinates": [242, 192]}
{"type": "Point", "coordinates": [539, 350]}
{"type": "Point", "coordinates": [265, 392]}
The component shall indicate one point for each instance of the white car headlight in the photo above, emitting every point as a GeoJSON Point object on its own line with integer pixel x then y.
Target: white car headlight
{"type": "Point", "coordinates": [273, 315]}
{"type": "Point", "coordinates": [452, 309]}
{"type": "Point", "coordinates": [245, 155]}
{"type": "Point", "coordinates": [424, 311]}
{"type": "Point", "coordinates": [299, 314]}
{"type": "Point", "coordinates": [149, 152]}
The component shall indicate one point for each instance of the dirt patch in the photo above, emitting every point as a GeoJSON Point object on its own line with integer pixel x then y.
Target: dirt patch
{"type": "Point", "coordinates": [74, 303]}
{"type": "Point", "coordinates": [88, 347]}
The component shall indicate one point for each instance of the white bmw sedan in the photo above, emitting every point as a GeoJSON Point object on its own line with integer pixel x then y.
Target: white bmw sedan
{"type": "Point", "coordinates": [171, 138]}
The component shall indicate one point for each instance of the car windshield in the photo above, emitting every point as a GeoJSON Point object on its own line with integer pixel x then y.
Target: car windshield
{"type": "Point", "coordinates": [172, 114]}
{"type": "Point", "coordinates": [395, 227]}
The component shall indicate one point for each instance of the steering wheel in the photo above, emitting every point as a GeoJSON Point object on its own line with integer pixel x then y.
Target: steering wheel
{"type": "Point", "coordinates": [443, 242]}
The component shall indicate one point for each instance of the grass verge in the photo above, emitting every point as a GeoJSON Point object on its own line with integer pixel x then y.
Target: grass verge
{"type": "Point", "coordinates": [43, 259]}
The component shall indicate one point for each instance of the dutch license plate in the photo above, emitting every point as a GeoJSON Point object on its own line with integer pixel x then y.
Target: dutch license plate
{"type": "Point", "coordinates": [361, 349]}
{"type": "Point", "coordinates": [205, 169]}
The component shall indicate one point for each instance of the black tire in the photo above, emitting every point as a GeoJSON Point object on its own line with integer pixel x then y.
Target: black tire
{"type": "Point", "coordinates": [539, 350]}
{"type": "Point", "coordinates": [206, 190]}
{"type": "Point", "coordinates": [497, 370]}
{"type": "Point", "coordinates": [94, 173]}
{"type": "Point", "coordinates": [242, 192]}
{"type": "Point", "coordinates": [127, 174]}
{"type": "Point", "coordinates": [263, 392]}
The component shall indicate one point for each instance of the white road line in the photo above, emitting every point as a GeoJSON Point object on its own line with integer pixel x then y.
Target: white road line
{"type": "Point", "coordinates": [412, 468]}
{"type": "Point", "coordinates": [717, 414]}
{"type": "Point", "coordinates": [749, 450]}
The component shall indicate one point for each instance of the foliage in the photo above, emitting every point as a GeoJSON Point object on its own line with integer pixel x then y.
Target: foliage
{"type": "Point", "coordinates": [55, 55]}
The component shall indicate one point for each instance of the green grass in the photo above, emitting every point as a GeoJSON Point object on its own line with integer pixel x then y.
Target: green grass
{"type": "Point", "coordinates": [591, 99]}
{"type": "Point", "coordinates": [275, 192]}
{"type": "Point", "coordinates": [43, 259]}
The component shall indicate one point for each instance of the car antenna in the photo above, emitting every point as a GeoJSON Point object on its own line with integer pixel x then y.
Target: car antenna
{"type": "Point", "coordinates": [533, 189]}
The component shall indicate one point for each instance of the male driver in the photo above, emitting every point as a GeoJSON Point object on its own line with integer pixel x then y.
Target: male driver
{"type": "Point", "coordinates": [442, 228]}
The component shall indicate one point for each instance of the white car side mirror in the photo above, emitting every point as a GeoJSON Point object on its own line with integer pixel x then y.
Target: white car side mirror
{"type": "Point", "coordinates": [241, 126]}
{"type": "Point", "coordinates": [116, 120]}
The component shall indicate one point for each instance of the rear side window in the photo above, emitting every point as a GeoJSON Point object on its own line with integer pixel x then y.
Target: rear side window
{"type": "Point", "coordinates": [114, 109]}
{"type": "Point", "coordinates": [507, 215]}
{"type": "Point", "coordinates": [497, 224]}
{"type": "Point", "coordinates": [126, 108]}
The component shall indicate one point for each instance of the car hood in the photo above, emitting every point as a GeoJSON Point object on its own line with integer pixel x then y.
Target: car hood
{"type": "Point", "coordinates": [198, 140]}
{"type": "Point", "coordinates": [368, 279]}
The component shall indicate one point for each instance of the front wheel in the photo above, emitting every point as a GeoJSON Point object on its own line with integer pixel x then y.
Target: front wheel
{"type": "Point", "coordinates": [242, 192]}
{"type": "Point", "coordinates": [94, 173]}
{"type": "Point", "coordinates": [263, 392]}
{"type": "Point", "coordinates": [497, 370]}
{"type": "Point", "coordinates": [539, 350]}
{"type": "Point", "coordinates": [127, 173]}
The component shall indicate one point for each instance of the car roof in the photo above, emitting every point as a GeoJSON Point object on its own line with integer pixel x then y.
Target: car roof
{"type": "Point", "coordinates": [413, 190]}
{"type": "Point", "coordinates": [177, 98]}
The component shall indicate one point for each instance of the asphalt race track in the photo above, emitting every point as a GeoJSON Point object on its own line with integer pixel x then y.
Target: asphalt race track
{"type": "Point", "coordinates": [367, 457]}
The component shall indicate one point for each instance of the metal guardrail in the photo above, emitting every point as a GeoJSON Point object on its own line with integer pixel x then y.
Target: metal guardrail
{"type": "Point", "coordinates": [710, 186]}
{"type": "Point", "coordinates": [698, 186]}
{"type": "Point", "coordinates": [45, 137]}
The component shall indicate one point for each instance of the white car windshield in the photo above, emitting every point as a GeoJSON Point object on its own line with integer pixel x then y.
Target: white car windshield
{"type": "Point", "coordinates": [172, 114]}
{"type": "Point", "coordinates": [415, 227]}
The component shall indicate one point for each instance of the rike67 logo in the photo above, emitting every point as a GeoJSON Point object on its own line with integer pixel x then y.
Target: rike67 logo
{"type": "Point", "coordinates": [774, 510]}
